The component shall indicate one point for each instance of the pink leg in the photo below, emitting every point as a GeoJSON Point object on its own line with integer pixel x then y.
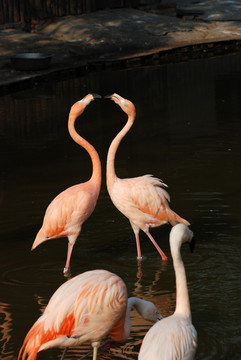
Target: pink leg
{"type": "Point", "coordinates": [156, 246]}
{"type": "Point", "coordinates": [138, 246]}
{"type": "Point", "coordinates": [69, 252]}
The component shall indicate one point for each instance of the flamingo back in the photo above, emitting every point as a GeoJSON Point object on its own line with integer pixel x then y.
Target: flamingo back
{"type": "Point", "coordinates": [84, 308]}
{"type": "Point", "coordinates": [144, 201]}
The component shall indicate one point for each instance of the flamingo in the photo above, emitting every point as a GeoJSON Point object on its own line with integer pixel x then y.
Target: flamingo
{"type": "Point", "coordinates": [86, 308]}
{"type": "Point", "coordinates": [143, 200]}
{"type": "Point", "coordinates": [175, 336]}
{"type": "Point", "coordinates": [72, 207]}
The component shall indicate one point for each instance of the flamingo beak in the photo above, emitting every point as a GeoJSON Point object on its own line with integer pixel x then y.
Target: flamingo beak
{"type": "Point", "coordinates": [159, 317]}
{"type": "Point", "coordinates": [108, 96]}
{"type": "Point", "coordinates": [114, 97]}
{"type": "Point", "coordinates": [96, 96]}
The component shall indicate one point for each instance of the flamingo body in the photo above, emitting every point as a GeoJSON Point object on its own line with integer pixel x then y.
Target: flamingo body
{"type": "Point", "coordinates": [66, 214]}
{"type": "Point", "coordinates": [175, 337]}
{"type": "Point", "coordinates": [143, 200]}
{"type": "Point", "coordinates": [85, 309]}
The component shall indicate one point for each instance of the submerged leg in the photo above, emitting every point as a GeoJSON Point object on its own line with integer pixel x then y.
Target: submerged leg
{"type": "Point", "coordinates": [138, 246]}
{"type": "Point", "coordinates": [63, 354]}
{"type": "Point", "coordinates": [69, 252]}
{"type": "Point", "coordinates": [163, 256]}
{"type": "Point", "coordinates": [106, 342]}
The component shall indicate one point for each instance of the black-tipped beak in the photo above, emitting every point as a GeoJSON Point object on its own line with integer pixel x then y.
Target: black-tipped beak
{"type": "Point", "coordinates": [192, 245]}
{"type": "Point", "coordinates": [159, 317]}
{"type": "Point", "coordinates": [108, 96]}
{"type": "Point", "coordinates": [96, 96]}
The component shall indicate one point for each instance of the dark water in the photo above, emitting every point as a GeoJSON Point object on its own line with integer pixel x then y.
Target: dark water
{"type": "Point", "coordinates": [188, 133]}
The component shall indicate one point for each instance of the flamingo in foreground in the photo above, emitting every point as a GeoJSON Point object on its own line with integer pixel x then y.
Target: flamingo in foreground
{"type": "Point", "coordinates": [142, 199]}
{"type": "Point", "coordinates": [174, 338]}
{"type": "Point", "coordinates": [86, 308]}
{"type": "Point", "coordinates": [72, 207]}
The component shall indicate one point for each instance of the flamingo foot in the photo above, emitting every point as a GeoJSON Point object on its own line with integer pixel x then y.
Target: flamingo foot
{"type": "Point", "coordinates": [164, 257]}
{"type": "Point", "coordinates": [66, 272]}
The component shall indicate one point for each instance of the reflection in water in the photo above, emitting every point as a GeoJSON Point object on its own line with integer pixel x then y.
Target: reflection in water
{"type": "Point", "coordinates": [139, 291]}
{"type": "Point", "coordinates": [6, 325]}
{"type": "Point", "coordinates": [188, 133]}
{"type": "Point", "coordinates": [42, 302]}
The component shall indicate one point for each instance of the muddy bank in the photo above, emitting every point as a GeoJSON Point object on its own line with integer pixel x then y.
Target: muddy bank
{"type": "Point", "coordinates": [123, 37]}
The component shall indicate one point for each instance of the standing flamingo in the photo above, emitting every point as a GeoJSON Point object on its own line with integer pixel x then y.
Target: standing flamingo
{"type": "Point", "coordinates": [141, 199]}
{"type": "Point", "coordinates": [86, 308]}
{"type": "Point", "coordinates": [175, 336]}
{"type": "Point", "coordinates": [69, 210]}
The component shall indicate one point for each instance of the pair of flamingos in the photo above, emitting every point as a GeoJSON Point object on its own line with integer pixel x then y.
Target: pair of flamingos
{"type": "Point", "coordinates": [94, 304]}
{"type": "Point", "coordinates": [142, 200]}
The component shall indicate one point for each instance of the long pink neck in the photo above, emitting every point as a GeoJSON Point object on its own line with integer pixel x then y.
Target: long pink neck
{"type": "Point", "coordinates": [123, 331]}
{"type": "Point", "coordinates": [182, 296]}
{"type": "Point", "coordinates": [96, 164]}
{"type": "Point", "coordinates": [110, 165]}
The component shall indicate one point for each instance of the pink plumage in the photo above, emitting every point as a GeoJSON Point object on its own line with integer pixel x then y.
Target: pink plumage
{"type": "Point", "coordinates": [143, 200]}
{"type": "Point", "coordinates": [174, 337]}
{"type": "Point", "coordinates": [85, 309]}
{"type": "Point", "coordinates": [66, 214]}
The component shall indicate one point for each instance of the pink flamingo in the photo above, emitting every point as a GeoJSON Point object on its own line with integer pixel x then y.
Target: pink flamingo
{"type": "Point", "coordinates": [72, 207]}
{"type": "Point", "coordinates": [141, 199]}
{"type": "Point", "coordinates": [86, 308]}
{"type": "Point", "coordinates": [175, 336]}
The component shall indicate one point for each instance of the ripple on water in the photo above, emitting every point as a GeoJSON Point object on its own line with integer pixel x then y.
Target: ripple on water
{"type": "Point", "coordinates": [32, 275]}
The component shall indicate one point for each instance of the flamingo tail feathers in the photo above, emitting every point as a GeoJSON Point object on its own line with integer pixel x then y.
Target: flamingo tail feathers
{"type": "Point", "coordinates": [174, 218]}
{"type": "Point", "coordinates": [32, 343]}
{"type": "Point", "coordinates": [38, 338]}
{"type": "Point", "coordinates": [40, 238]}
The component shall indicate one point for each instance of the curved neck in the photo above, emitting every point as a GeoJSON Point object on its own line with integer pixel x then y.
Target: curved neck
{"type": "Point", "coordinates": [96, 164]}
{"type": "Point", "coordinates": [137, 304]}
{"type": "Point", "coordinates": [110, 165]}
{"type": "Point", "coordinates": [122, 329]}
{"type": "Point", "coordinates": [182, 297]}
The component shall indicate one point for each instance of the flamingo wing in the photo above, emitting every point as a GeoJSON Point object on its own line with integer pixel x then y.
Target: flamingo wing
{"type": "Point", "coordinates": [67, 212]}
{"type": "Point", "coordinates": [141, 199]}
{"type": "Point", "coordinates": [149, 195]}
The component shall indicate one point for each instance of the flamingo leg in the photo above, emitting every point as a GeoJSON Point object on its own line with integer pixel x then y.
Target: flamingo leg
{"type": "Point", "coordinates": [63, 354]}
{"type": "Point", "coordinates": [95, 353]}
{"type": "Point", "coordinates": [138, 246]}
{"type": "Point", "coordinates": [69, 252]}
{"type": "Point", "coordinates": [108, 341]}
{"type": "Point", "coordinates": [163, 256]}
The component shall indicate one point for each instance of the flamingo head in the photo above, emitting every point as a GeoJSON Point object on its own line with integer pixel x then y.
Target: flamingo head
{"type": "Point", "coordinates": [181, 234]}
{"type": "Point", "coordinates": [126, 105]}
{"type": "Point", "coordinates": [80, 105]}
{"type": "Point", "coordinates": [148, 311]}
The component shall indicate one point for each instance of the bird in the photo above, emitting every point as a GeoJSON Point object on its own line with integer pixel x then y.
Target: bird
{"type": "Point", "coordinates": [175, 337]}
{"type": "Point", "coordinates": [86, 308]}
{"type": "Point", "coordinates": [143, 200]}
{"type": "Point", "coordinates": [68, 211]}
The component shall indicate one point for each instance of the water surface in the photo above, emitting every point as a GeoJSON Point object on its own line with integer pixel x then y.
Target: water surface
{"type": "Point", "coordinates": [188, 133]}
